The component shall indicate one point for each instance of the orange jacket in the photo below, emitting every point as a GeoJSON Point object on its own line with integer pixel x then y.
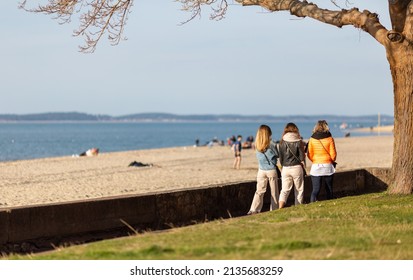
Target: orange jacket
{"type": "Point", "coordinates": [319, 154]}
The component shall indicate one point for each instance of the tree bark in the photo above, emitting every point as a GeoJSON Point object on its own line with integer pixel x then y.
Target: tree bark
{"type": "Point", "coordinates": [401, 65]}
{"type": "Point", "coordinates": [400, 56]}
{"type": "Point", "coordinates": [397, 10]}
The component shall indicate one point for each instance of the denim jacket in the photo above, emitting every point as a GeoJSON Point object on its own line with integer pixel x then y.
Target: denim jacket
{"type": "Point", "coordinates": [271, 154]}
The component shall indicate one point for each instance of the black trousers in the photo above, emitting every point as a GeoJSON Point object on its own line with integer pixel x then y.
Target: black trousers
{"type": "Point", "coordinates": [316, 181]}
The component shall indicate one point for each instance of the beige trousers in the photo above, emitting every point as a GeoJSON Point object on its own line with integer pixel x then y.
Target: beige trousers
{"type": "Point", "coordinates": [264, 177]}
{"type": "Point", "coordinates": [292, 176]}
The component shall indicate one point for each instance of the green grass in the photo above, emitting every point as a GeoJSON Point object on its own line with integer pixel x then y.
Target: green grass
{"type": "Point", "coordinates": [372, 226]}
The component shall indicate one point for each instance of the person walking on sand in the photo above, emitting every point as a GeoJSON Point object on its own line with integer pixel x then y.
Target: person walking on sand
{"type": "Point", "coordinates": [267, 154]}
{"type": "Point", "coordinates": [292, 161]}
{"type": "Point", "coordinates": [237, 147]}
{"type": "Point", "coordinates": [322, 153]}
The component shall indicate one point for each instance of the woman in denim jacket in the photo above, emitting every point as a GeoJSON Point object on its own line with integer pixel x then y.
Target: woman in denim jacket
{"type": "Point", "coordinates": [267, 155]}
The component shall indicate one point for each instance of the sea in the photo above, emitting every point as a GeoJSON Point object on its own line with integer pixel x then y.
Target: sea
{"type": "Point", "coordinates": [21, 141]}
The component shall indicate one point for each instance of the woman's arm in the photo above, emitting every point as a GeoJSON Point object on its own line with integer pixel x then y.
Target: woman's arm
{"type": "Point", "coordinates": [310, 151]}
{"type": "Point", "coordinates": [333, 152]}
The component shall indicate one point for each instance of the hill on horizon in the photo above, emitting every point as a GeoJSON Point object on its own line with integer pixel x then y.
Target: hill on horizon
{"type": "Point", "coordinates": [167, 117]}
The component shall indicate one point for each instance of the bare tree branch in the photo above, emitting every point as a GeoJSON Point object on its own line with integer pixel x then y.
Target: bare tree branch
{"type": "Point", "coordinates": [195, 8]}
{"type": "Point", "coordinates": [408, 26]}
{"type": "Point", "coordinates": [365, 20]}
{"type": "Point", "coordinates": [97, 18]}
{"type": "Point", "coordinates": [397, 10]}
{"type": "Point", "coordinates": [100, 17]}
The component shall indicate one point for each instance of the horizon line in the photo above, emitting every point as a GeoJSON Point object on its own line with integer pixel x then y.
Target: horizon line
{"type": "Point", "coordinates": [191, 114]}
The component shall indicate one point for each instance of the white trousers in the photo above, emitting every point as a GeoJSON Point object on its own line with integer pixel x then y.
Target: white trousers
{"type": "Point", "coordinates": [264, 177]}
{"type": "Point", "coordinates": [292, 176]}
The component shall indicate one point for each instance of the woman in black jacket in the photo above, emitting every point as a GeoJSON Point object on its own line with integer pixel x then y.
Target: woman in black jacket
{"type": "Point", "coordinates": [292, 160]}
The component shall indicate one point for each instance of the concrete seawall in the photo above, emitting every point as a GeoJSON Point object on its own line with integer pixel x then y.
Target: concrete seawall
{"type": "Point", "coordinates": [42, 227]}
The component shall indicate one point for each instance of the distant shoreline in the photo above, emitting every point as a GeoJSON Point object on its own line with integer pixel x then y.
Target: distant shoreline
{"type": "Point", "coordinates": [174, 118]}
{"type": "Point", "coordinates": [363, 129]}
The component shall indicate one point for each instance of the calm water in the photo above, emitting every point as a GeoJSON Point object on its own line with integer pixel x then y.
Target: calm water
{"type": "Point", "coordinates": [38, 140]}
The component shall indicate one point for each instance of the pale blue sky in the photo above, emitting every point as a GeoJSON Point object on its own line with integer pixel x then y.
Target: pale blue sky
{"type": "Point", "coordinates": [252, 62]}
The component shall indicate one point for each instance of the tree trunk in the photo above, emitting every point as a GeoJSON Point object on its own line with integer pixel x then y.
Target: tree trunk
{"type": "Point", "coordinates": [401, 65]}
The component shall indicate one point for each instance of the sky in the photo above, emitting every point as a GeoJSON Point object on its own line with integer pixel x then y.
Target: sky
{"type": "Point", "coordinates": [252, 62]}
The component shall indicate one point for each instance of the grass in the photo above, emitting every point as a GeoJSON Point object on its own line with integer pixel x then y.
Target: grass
{"type": "Point", "coordinates": [372, 226]}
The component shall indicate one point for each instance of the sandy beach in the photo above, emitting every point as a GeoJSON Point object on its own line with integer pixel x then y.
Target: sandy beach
{"type": "Point", "coordinates": [375, 129]}
{"type": "Point", "coordinates": [50, 180]}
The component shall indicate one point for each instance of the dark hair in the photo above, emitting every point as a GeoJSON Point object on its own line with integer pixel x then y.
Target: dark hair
{"type": "Point", "coordinates": [290, 127]}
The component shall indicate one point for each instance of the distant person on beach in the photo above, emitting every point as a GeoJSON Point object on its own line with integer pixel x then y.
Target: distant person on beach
{"type": "Point", "coordinates": [90, 152]}
{"type": "Point", "coordinates": [237, 147]}
{"type": "Point", "coordinates": [215, 142]}
{"type": "Point", "coordinates": [267, 155]}
{"type": "Point", "coordinates": [249, 143]}
{"type": "Point", "coordinates": [322, 153]}
{"type": "Point", "coordinates": [292, 161]}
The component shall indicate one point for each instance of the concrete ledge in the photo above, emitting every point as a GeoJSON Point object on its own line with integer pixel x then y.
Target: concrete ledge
{"type": "Point", "coordinates": [37, 228]}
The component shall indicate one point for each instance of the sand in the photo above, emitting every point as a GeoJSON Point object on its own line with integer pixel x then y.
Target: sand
{"type": "Point", "coordinates": [51, 180]}
{"type": "Point", "coordinates": [375, 129]}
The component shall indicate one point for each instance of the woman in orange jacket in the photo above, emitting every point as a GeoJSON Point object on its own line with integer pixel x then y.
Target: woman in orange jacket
{"type": "Point", "coordinates": [322, 152]}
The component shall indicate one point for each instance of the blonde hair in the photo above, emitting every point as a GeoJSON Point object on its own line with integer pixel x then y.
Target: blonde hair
{"type": "Point", "coordinates": [263, 138]}
{"type": "Point", "coordinates": [321, 126]}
